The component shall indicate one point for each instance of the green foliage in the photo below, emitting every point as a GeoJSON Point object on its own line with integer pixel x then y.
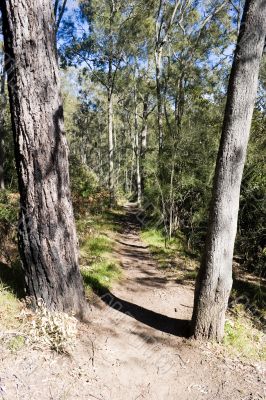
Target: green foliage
{"type": "Point", "coordinates": [251, 294]}
{"type": "Point", "coordinates": [83, 180]}
{"type": "Point", "coordinates": [194, 167]}
{"type": "Point", "coordinates": [10, 174]}
{"type": "Point", "coordinates": [16, 343]}
{"type": "Point", "coordinates": [117, 52]}
{"type": "Point", "coordinates": [9, 210]}
{"type": "Point", "coordinates": [251, 239]}
{"type": "Point", "coordinates": [10, 307]}
{"type": "Point", "coordinates": [101, 275]}
{"type": "Point", "coordinates": [86, 191]}
{"type": "Point", "coordinates": [158, 243]}
{"type": "Point", "coordinates": [243, 339]}
{"type": "Point", "coordinates": [99, 269]}
{"type": "Point", "coordinates": [96, 246]}
{"type": "Point", "coordinates": [8, 207]}
{"type": "Point", "coordinates": [171, 253]}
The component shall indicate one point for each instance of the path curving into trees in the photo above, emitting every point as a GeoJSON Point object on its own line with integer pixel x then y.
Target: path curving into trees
{"type": "Point", "coordinates": [135, 345]}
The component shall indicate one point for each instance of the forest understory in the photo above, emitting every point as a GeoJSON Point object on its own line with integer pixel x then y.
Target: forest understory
{"type": "Point", "coordinates": [135, 344]}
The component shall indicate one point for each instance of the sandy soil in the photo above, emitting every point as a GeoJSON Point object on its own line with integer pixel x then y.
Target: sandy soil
{"type": "Point", "coordinates": [135, 346]}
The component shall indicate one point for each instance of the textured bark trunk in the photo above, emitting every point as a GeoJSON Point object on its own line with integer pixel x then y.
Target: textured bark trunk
{"type": "Point", "coordinates": [111, 151]}
{"type": "Point", "coordinates": [47, 234]}
{"type": "Point", "coordinates": [215, 276]}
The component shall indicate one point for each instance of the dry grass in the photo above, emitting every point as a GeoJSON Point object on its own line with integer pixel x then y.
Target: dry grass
{"type": "Point", "coordinates": [53, 330]}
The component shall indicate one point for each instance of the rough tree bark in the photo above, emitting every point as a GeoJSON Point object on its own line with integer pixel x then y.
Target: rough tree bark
{"type": "Point", "coordinates": [215, 276]}
{"type": "Point", "coordinates": [47, 234]}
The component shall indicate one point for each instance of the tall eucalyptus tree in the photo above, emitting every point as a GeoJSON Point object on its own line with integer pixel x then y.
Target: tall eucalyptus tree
{"type": "Point", "coordinates": [47, 234]}
{"type": "Point", "coordinates": [214, 280]}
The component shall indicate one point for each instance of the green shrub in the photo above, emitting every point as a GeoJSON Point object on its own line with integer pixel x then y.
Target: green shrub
{"type": "Point", "coordinates": [8, 207]}
{"type": "Point", "coordinates": [100, 275]}
{"type": "Point", "coordinates": [243, 339]}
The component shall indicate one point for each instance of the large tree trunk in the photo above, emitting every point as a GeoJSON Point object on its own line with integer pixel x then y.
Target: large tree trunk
{"type": "Point", "coordinates": [215, 276]}
{"type": "Point", "coordinates": [47, 234]}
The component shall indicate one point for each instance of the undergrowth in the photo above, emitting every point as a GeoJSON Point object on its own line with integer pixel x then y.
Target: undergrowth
{"type": "Point", "coordinates": [10, 307]}
{"type": "Point", "coordinates": [53, 329]}
{"type": "Point", "coordinates": [171, 254]}
{"type": "Point", "coordinates": [45, 329]}
{"type": "Point", "coordinates": [98, 266]}
{"type": "Point", "coordinates": [244, 336]}
{"type": "Point", "coordinates": [244, 327]}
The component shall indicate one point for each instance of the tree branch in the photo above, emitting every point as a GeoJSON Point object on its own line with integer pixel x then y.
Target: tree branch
{"type": "Point", "coordinates": [61, 13]}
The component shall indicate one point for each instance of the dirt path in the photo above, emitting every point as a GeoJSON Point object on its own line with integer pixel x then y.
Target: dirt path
{"type": "Point", "coordinates": [135, 346]}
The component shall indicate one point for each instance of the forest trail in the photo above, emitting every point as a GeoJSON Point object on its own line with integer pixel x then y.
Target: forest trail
{"type": "Point", "coordinates": [135, 345]}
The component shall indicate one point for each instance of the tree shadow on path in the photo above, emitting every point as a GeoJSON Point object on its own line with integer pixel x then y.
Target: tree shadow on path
{"type": "Point", "coordinates": [176, 327]}
{"type": "Point", "coordinates": [160, 322]}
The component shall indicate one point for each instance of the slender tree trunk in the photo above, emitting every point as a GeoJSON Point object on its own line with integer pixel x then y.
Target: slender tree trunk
{"type": "Point", "coordinates": [99, 168]}
{"type": "Point", "coordinates": [158, 65]}
{"type": "Point", "coordinates": [171, 199]}
{"type": "Point", "coordinates": [138, 174]}
{"type": "Point", "coordinates": [144, 131]}
{"type": "Point", "coordinates": [2, 120]}
{"type": "Point", "coordinates": [59, 12]}
{"type": "Point", "coordinates": [179, 104]}
{"type": "Point", "coordinates": [132, 166]}
{"type": "Point", "coordinates": [47, 234]}
{"type": "Point", "coordinates": [83, 150]}
{"type": "Point", "coordinates": [143, 138]}
{"type": "Point", "coordinates": [164, 25]}
{"type": "Point", "coordinates": [126, 181]}
{"type": "Point", "coordinates": [110, 106]}
{"type": "Point", "coordinates": [137, 149]}
{"type": "Point", "coordinates": [111, 150]}
{"type": "Point", "coordinates": [215, 276]}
